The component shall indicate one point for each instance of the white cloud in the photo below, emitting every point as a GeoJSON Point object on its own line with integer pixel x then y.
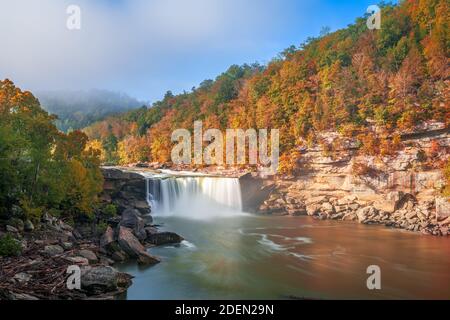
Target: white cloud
{"type": "Point", "coordinates": [122, 40]}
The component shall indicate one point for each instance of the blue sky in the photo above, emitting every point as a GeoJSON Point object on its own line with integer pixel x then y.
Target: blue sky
{"type": "Point", "coordinates": [146, 47]}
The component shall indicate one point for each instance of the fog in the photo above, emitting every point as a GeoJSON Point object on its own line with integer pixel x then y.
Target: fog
{"type": "Point", "coordinates": [121, 44]}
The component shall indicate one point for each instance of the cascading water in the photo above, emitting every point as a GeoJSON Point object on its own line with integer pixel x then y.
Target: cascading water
{"type": "Point", "coordinates": [198, 197]}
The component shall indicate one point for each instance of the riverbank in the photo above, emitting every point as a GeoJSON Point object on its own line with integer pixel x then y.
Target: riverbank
{"type": "Point", "coordinates": [38, 256]}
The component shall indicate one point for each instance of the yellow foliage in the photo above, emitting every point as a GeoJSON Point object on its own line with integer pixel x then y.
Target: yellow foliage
{"type": "Point", "coordinates": [97, 146]}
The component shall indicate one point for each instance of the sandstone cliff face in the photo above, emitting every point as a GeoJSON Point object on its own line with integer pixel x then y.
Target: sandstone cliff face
{"type": "Point", "coordinates": [400, 190]}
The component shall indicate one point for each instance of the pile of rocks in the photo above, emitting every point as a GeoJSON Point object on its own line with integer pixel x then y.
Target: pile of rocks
{"type": "Point", "coordinates": [398, 210]}
{"type": "Point", "coordinates": [129, 239]}
{"type": "Point", "coordinates": [41, 272]}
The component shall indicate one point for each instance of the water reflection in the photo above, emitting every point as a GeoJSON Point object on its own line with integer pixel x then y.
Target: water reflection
{"type": "Point", "coordinates": [276, 257]}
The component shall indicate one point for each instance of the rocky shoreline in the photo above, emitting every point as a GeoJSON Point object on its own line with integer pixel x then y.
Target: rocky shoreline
{"type": "Point", "coordinates": [49, 249]}
{"type": "Point", "coordinates": [401, 190]}
{"type": "Point", "coordinates": [401, 211]}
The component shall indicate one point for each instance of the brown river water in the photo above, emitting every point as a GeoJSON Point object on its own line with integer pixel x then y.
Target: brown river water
{"type": "Point", "coordinates": [253, 257]}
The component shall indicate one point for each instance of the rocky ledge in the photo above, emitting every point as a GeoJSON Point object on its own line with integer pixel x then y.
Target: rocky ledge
{"type": "Point", "coordinates": [399, 210]}
{"type": "Point", "coordinates": [400, 190]}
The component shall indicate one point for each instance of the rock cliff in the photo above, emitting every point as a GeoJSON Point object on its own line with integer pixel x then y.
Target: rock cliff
{"type": "Point", "coordinates": [401, 190]}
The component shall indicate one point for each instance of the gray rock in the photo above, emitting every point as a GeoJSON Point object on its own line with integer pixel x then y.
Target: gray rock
{"type": "Point", "coordinates": [67, 245]}
{"type": "Point", "coordinates": [163, 238]}
{"type": "Point", "coordinates": [82, 261]}
{"type": "Point", "coordinates": [22, 277]}
{"type": "Point", "coordinates": [141, 206]}
{"type": "Point", "coordinates": [28, 226]}
{"type": "Point", "coordinates": [131, 219]}
{"type": "Point", "coordinates": [119, 256]}
{"type": "Point", "coordinates": [53, 250]}
{"type": "Point", "coordinates": [386, 205]}
{"type": "Point", "coordinates": [131, 245]}
{"type": "Point", "coordinates": [88, 254]}
{"type": "Point", "coordinates": [99, 279]}
{"type": "Point", "coordinates": [11, 229]}
{"type": "Point", "coordinates": [107, 238]}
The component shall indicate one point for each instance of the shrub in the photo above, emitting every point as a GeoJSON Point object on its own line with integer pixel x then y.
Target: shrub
{"type": "Point", "coordinates": [435, 149]}
{"type": "Point", "coordinates": [370, 144]}
{"type": "Point", "coordinates": [31, 212]}
{"type": "Point", "coordinates": [101, 227]}
{"type": "Point", "coordinates": [421, 156]}
{"type": "Point", "coordinates": [289, 162]}
{"type": "Point", "coordinates": [9, 246]}
{"type": "Point", "coordinates": [110, 210]}
{"type": "Point", "coordinates": [390, 147]}
{"type": "Point", "coordinates": [360, 169]}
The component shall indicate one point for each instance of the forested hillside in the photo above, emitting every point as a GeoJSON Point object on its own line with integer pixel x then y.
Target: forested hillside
{"type": "Point", "coordinates": [78, 109]}
{"type": "Point", "coordinates": [42, 169]}
{"type": "Point", "coordinates": [395, 77]}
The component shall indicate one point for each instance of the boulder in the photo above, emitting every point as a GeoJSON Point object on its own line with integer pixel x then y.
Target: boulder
{"type": "Point", "coordinates": [22, 277]}
{"type": "Point", "coordinates": [442, 208]}
{"type": "Point", "coordinates": [388, 206]}
{"type": "Point", "coordinates": [162, 238]}
{"type": "Point", "coordinates": [67, 245]}
{"type": "Point", "coordinates": [119, 256]}
{"type": "Point", "coordinates": [129, 243]}
{"type": "Point", "coordinates": [131, 219]}
{"type": "Point", "coordinates": [150, 231]}
{"type": "Point", "coordinates": [82, 261]}
{"type": "Point", "coordinates": [11, 229]}
{"type": "Point", "coordinates": [254, 191]}
{"type": "Point", "coordinates": [131, 246]}
{"type": "Point", "coordinates": [99, 279]}
{"type": "Point", "coordinates": [16, 223]}
{"type": "Point", "coordinates": [141, 206]}
{"type": "Point", "coordinates": [107, 238]}
{"type": "Point", "coordinates": [88, 254]}
{"type": "Point", "coordinates": [312, 209]}
{"type": "Point", "coordinates": [364, 214]}
{"type": "Point", "coordinates": [28, 226]}
{"type": "Point", "coordinates": [53, 250]}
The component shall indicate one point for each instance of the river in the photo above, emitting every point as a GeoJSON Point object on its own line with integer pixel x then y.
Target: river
{"type": "Point", "coordinates": [254, 257]}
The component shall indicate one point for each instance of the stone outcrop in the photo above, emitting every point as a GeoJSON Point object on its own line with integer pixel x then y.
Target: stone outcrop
{"type": "Point", "coordinates": [402, 190]}
{"type": "Point", "coordinates": [126, 190]}
{"type": "Point", "coordinates": [100, 279]}
{"type": "Point", "coordinates": [162, 238]}
{"type": "Point", "coordinates": [254, 190]}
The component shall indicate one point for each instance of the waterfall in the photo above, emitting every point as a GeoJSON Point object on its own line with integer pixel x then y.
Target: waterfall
{"type": "Point", "coordinates": [198, 197]}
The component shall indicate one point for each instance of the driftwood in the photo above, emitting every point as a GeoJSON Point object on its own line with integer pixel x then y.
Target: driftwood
{"type": "Point", "coordinates": [48, 276]}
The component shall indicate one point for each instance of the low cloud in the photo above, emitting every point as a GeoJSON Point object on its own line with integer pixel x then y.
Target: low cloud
{"type": "Point", "coordinates": [124, 44]}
